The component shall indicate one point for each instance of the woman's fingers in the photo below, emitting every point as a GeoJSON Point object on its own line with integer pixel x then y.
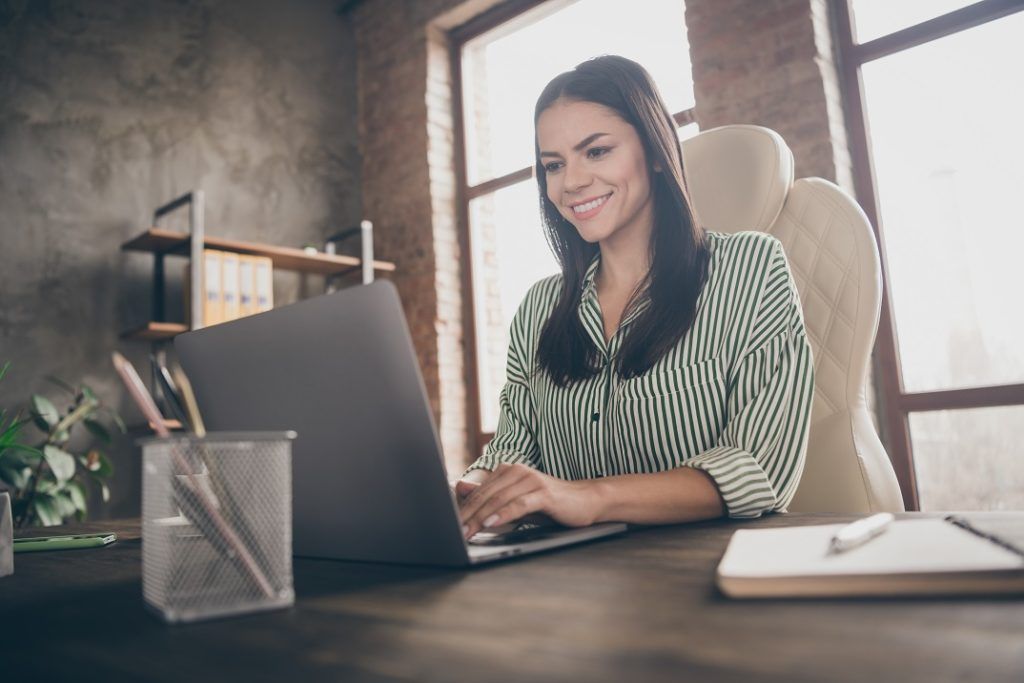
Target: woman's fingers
{"type": "Point", "coordinates": [509, 504]}
{"type": "Point", "coordinates": [504, 476]}
{"type": "Point", "coordinates": [464, 487]}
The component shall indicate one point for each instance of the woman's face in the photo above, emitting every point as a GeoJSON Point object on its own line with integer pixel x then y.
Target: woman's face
{"type": "Point", "coordinates": [596, 170]}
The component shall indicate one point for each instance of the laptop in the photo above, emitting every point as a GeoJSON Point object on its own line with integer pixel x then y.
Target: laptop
{"type": "Point", "coordinates": [368, 475]}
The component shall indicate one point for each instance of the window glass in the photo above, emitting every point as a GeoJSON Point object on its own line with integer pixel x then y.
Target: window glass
{"type": "Point", "coordinates": [510, 253]}
{"type": "Point", "coordinates": [947, 145]}
{"type": "Point", "coordinates": [969, 459]}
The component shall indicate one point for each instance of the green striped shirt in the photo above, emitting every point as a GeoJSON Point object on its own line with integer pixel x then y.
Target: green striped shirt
{"type": "Point", "coordinates": [732, 398]}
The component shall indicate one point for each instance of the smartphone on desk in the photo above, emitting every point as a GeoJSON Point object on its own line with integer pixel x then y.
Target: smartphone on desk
{"type": "Point", "coordinates": [98, 540]}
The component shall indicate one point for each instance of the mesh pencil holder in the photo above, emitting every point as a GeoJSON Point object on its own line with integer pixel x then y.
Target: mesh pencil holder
{"type": "Point", "coordinates": [217, 524]}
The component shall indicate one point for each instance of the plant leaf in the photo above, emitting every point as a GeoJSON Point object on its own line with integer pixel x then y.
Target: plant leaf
{"type": "Point", "coordinates": [105, 491]}
{"type": "Point", "coordinates": [98, 430]}
{"type": "Point", "coordinates": [62, 384]}
{"type": "Point", "coordinates": [41, 424]}
{"type": "Point", "coordinates": [89, 395]}
{"type": "Point", "coordinates": [16, 477]}
{"type": "Point", "coordinates": [77, 493]}
{"type": "Point", "coordinates": [60, 461]}
{"type": "Point", "coordinates": [3, 370]}
{"type": "Point", "coordinates": [46, 410]}
{"type": "Point", "coordinates": [19, 455]}
{"type": "Point", "coordinates": [65, 506]}
{"type": "Point", "coordinates": [45, 508]}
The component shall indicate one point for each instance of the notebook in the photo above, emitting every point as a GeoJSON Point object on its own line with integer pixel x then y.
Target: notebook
{"type": "Point", "coordinates": [938, 556]}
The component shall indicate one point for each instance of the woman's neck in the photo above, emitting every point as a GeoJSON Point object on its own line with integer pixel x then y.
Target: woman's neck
{"type": "Point", "coordinates": [625, 260]}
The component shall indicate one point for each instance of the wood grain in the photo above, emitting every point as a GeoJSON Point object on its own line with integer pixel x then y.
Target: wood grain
{"type": "Point", "coordinates": [642, 607]}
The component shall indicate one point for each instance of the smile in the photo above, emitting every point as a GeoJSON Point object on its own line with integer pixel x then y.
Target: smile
{"type": "Point", "coordinates": [591, 207]}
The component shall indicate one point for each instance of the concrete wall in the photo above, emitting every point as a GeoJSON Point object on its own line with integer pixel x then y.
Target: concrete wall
{"type": "Point", "coordinates": [108, 109]}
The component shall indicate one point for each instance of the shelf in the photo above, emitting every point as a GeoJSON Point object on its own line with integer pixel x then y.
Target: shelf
{"type": "Point", "coordinates": [157, 240]}
{"type": "Point", "coordinates": [155, 331]}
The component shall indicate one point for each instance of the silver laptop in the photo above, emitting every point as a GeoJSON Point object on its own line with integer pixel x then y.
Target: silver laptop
{"type": "Point", "coordinates": [369, 481]}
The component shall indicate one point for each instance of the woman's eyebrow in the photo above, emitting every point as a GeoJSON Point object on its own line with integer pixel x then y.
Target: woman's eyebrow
{"type": "Point", "coordinates": [580, 145]}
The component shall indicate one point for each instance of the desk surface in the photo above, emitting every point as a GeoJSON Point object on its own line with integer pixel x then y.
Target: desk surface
{"type": "Point", "coordinates": [641, 607]}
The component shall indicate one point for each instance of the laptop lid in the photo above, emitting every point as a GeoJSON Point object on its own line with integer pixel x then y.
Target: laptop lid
{"type": "Point", "coordinates": [339, 369]}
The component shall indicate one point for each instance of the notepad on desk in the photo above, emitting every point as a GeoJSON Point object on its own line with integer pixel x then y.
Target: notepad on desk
{"type": "Point", "coordinates": [912, 557]}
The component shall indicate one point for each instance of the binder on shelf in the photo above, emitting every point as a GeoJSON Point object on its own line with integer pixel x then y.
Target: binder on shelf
{"type": "Point", "coordinates": [213, 302]}
{"type": "Point", "coordinates": [246, 285]}
{"type": "Point", "coordinates": [264, 270]}
{"type": "Point", "coordinates": [229, 285]}
{"type": "Point", "coordinates": [213, 286]}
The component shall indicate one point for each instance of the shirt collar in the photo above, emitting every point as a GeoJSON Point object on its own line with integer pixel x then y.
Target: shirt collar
{"type": "Point", "coordinates": [589, 293]}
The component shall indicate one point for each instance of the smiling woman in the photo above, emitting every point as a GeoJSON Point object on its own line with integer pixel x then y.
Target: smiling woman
{"type": "Point", "coordinates": [664, 376]}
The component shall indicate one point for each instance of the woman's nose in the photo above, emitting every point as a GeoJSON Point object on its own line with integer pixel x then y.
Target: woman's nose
{"type": "Point", "coordinates": [576, 178]}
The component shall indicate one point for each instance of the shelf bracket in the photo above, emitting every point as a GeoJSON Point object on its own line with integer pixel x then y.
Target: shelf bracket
{"type": "Point", "coordinates": [365, 232]}
{"type": "Point", "coordinates": [197, 239]}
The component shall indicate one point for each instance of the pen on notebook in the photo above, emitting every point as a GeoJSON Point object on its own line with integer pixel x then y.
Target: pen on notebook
{"type": "Point", "coordinates": [860, 532]}
{"type": "Point", "coordinates": [137, 390]}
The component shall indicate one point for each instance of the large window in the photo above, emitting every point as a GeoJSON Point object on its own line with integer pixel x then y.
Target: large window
{"type": "Point", "coordinates": [503, 63]}
{"type": "Point", "coordinates": [935, 111]}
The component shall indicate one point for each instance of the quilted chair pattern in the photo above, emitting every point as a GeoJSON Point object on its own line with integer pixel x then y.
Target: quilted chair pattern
{"type": "Point", "coordinates": [834, 260]}
{"type": "Point", "coordinates": [741, 178]}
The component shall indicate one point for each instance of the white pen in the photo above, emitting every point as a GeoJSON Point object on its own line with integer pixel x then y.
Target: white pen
{"type": "Point", "coordinates": [860, 532]}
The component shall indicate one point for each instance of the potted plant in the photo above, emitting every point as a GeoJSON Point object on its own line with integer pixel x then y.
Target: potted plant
{"type": "Point", "coordinates": [47, 478]}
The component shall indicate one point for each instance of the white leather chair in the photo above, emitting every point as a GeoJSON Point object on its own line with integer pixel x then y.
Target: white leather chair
{"type": "Point", "coordinates": [741, 178]}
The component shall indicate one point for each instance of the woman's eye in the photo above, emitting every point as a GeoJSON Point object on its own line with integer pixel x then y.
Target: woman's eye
{"type": "Point", "coordinates": [552, 166]}
{"type": "Point", "coordinates": [597, 152]}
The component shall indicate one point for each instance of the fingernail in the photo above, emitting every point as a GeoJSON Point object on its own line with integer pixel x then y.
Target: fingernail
{"type": "Point", "coordinates": [489, 522]}
{"type": "Point", "coordinates": [465, 529]}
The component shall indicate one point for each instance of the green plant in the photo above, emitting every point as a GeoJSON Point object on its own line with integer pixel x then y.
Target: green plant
{"type": "Point", "coordinates": [48, 479]}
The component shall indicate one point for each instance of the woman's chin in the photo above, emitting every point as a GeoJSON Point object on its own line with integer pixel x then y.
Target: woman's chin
{"type": "Point", "coordinates": [591, 233]}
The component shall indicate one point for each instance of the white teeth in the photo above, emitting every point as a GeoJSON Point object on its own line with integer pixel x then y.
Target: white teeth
{"type": "Point", "coordinates": [583, 208]}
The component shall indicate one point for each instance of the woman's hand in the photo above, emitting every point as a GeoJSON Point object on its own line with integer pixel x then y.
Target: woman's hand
{"type": "Point", "coordinates": [511, 492]}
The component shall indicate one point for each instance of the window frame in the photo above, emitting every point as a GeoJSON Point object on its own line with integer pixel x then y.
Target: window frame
{"type": "Point", "coordinates": [896, 403]}
{"type": "Point", "coordinates": [464, 193]}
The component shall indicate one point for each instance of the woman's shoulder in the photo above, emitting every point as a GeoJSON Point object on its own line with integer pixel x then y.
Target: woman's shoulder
{"type": "Point", "coordinates": [543, 293]}
{"type": "Point", "coordinates": [747, 250]}
{"type": "Point", "coordinates": [540, 298]}
{"type": "Point", "coordinates": [730, 245]}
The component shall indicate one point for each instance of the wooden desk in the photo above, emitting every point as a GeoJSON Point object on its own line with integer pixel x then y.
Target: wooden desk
{"type": "Point", "coordinates": [642, 607]}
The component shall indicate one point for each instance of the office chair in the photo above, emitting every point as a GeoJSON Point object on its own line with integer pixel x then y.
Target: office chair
{"type": "Point", "coordinates": [741, 178]}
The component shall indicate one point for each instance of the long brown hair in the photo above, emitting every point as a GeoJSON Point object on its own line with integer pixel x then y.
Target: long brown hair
{"type": "Point", "coordinates": [679, 257]}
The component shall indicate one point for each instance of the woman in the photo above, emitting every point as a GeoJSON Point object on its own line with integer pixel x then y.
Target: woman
{"type": "Point", "coordinates": [664, 376]}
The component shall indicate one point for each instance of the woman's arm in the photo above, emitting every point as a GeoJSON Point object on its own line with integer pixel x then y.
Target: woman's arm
{"type": "Point", "coordinates": [680, 495]}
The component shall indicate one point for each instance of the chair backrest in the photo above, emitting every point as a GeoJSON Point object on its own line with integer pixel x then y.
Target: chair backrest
{"type": "Point", "coordinates": [741, 178]}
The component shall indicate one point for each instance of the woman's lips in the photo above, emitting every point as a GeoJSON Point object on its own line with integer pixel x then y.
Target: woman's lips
{"type": "Point", "coordinates": [590, 208]}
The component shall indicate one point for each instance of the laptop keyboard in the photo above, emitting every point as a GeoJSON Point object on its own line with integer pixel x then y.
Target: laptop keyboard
{"type": "Point", "coordinates": [524, 531]}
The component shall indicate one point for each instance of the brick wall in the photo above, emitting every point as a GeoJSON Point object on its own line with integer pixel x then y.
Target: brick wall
{"type": "Point", "coordinates": [770, 63]}
{"type": "Point", "coordinates": [408, 187]}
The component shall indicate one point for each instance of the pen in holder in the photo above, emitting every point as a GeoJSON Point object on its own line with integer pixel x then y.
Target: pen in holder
{"type": "Point", "coordinates": [216, 524]}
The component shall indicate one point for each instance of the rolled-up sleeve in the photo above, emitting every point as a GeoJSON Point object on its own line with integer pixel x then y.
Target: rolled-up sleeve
{"type": "Point", "coordinates": [759, 457]}
{"type": "Point", "coordinates": [515, 440]}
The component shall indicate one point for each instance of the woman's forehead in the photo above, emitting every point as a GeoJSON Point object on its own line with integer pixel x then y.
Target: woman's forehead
{"type": "Point", "coordinates": [566, 122]}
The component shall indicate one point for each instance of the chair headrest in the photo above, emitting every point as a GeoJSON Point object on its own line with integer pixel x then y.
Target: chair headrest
{"type": "Point", "coordinates": [738, 177]}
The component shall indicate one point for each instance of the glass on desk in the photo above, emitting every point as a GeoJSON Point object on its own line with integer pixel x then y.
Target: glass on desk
{"type": "Point", "coordinates": [217, 524]}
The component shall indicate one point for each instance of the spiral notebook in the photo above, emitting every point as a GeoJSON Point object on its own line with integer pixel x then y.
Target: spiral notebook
{"type": "Point", "coordinates": [983, 554]}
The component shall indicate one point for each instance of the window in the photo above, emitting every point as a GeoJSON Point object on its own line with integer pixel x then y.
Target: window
{"type": "Point", "coordinates": [503, 65]}
{"type": "Point", "coordinates": [934, 111]}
